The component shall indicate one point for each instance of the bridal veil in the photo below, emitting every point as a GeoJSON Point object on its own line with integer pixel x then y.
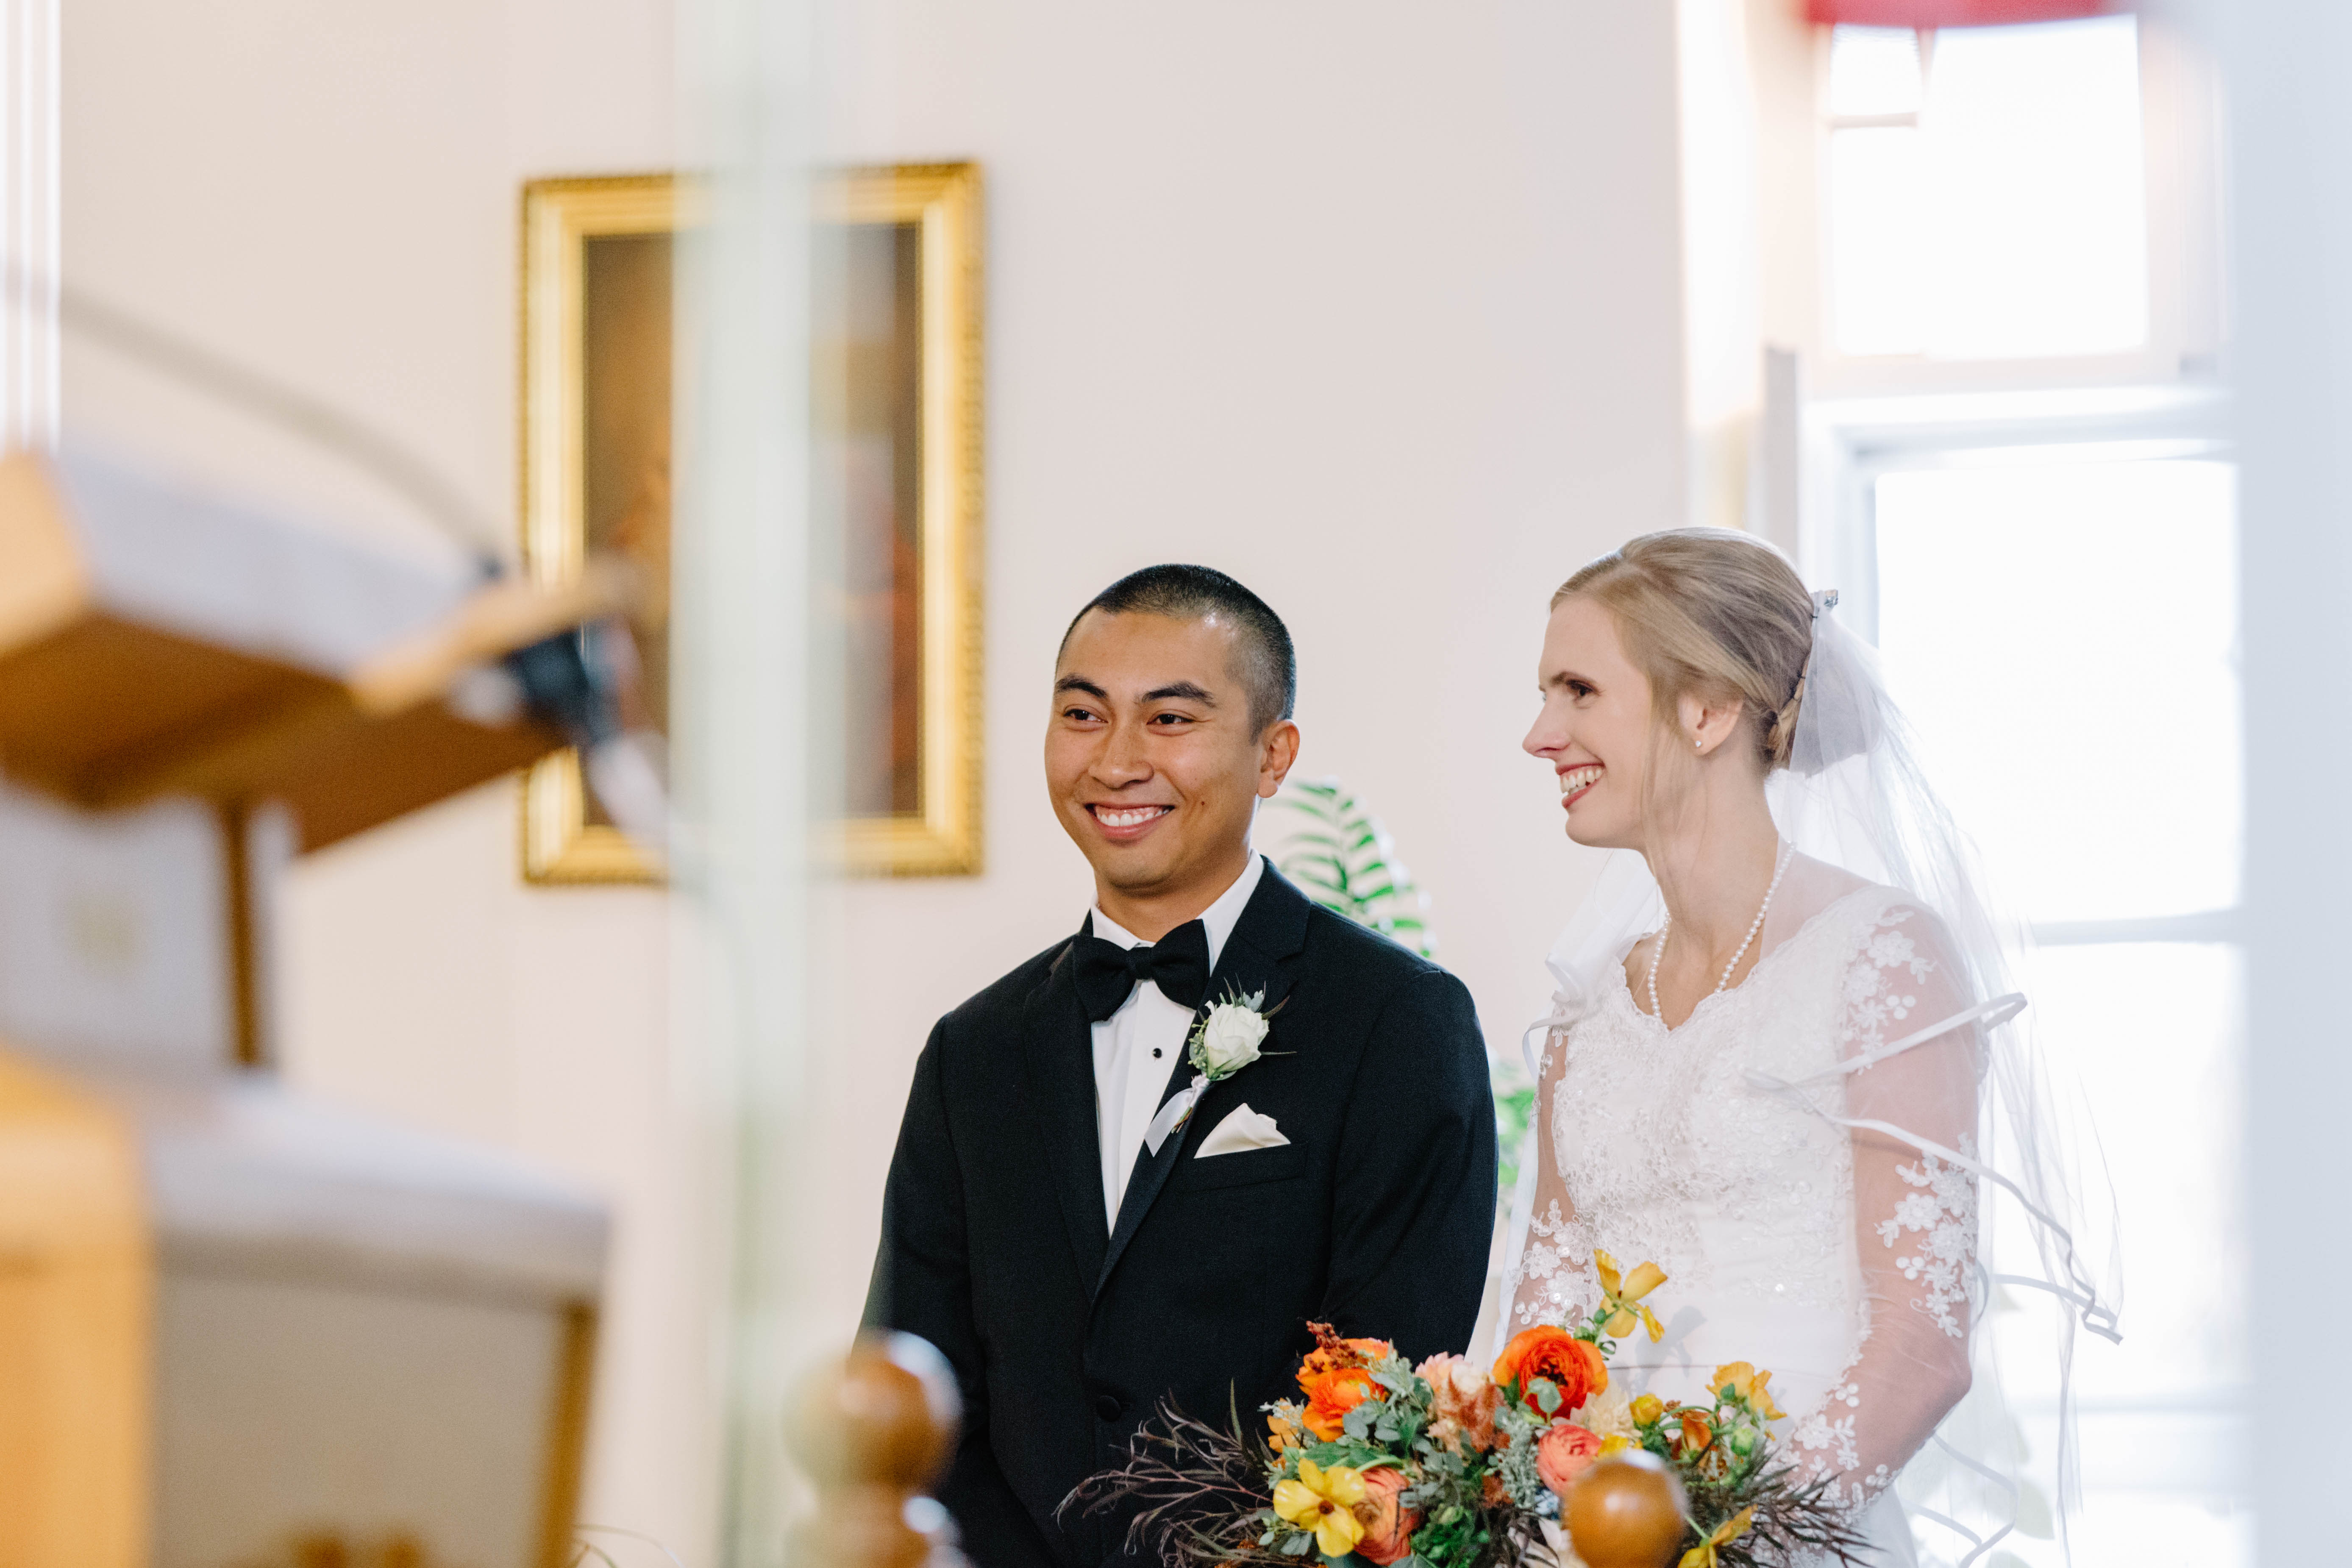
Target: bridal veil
{"type": "Point", "coordinates": [1855, 797]}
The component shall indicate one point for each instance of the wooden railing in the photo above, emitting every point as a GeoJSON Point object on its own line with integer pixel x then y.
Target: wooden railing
{"type": "Point", "coordinates": [874, 1431]}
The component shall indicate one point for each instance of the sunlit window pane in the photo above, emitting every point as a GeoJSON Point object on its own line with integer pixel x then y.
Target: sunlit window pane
{"type": "Point", "coordinates": [2061, 632]}
{"type": "Point", "coordinates": [1877, 246]}
{"type": "Point", "coordinates": [2026, 207]}
{"type": "Point", "coordinates": [1874, 70]}
{"type": "Point", "coordinates": [2151, 1032]}
{"type": "Point", "coordinates": [2035, 155]}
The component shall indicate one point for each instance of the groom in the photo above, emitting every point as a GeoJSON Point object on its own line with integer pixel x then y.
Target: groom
{"type": "Point", "coordinates": [1078, 1244]}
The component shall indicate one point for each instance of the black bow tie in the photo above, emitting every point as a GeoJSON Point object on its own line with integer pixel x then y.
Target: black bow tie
{"type": "Point", "coordinates": [1108, 974]}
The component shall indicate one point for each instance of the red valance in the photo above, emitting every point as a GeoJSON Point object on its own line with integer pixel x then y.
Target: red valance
{"type": "Point", "coordinates": [1956, 13]}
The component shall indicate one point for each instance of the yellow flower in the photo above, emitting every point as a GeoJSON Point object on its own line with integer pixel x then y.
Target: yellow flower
{"type": "Point", "coordinates": [1703, 1555]}
{"type": "Point", "coordinates": [1648, 1408]}
{"type": "Point", "coordinates": [1620, 1298]}
{"type": "Point", "coordinates": [1611, 1446]}
{"type": "Point", "coordinates": [1751, 1386]}
{"type": "Point", "coordinates": [1323, 1501]}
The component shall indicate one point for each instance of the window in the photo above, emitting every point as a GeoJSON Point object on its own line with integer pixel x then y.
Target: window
{"type": "Point", "coordinates": [2052, 590]}
{"type": "Point", "coordinates": [2017, 476]}
{"type": "Point", "coordinates": [2004, 207]}
{"type": "Point", "coordinates": [2060, 623]}
{"type": "Point", "coordinates": [1986, 194]}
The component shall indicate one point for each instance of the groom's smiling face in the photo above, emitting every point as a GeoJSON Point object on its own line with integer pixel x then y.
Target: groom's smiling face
{"type": "Point", "coordinates": [1154, 762]}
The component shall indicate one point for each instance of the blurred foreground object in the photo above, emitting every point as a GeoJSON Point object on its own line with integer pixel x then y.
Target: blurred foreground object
{"type": "Point", "coordinates": [74, 1303]}
{"type": "Point", "coordinates": [153, 643]}
{"type": "Point", "coordinates": [1956, 13]}
{"type": "Point", "coordinates": [1625, 1512]}
{"type": "Point", "coordinates": [254, 1330]}
{"type": "Point", "coordinates": [874, 1431]}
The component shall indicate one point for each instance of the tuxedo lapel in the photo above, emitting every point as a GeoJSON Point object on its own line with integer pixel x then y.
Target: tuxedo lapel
{"type": "Point", "coordinates": [1271, 931]}
{"type": "Point", "coordinates": [1058, 1046]}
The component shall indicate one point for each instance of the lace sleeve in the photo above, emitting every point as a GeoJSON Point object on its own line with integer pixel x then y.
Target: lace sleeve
{"type": "Point", "coordinates": [1915, 1215]}
{"type": "Point", "coordinates": [1553, 1281]}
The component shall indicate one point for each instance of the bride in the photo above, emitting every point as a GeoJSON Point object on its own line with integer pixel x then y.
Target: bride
{"type": "Point", "coordinates": [1781, 1055]}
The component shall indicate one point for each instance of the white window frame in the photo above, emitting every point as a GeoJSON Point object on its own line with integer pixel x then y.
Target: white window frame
{"type": "Point", "coordinates": [1852, 443]}
{"type": "Point", "coordinates": [1849, 442]}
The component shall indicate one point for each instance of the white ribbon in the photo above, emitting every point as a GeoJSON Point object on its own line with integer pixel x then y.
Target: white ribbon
{"type": "Point", "coordinates": [1981, 1544]}
{"type": "Point", "coordinates": [1174, 1114]}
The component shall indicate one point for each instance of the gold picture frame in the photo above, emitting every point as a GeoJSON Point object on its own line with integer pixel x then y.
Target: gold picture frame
{"type": "Point", "coordinates": [594, 273]}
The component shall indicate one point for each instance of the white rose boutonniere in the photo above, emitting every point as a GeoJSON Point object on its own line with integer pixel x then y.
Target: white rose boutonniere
{"type": "Point", "coordinates": [1224, 1041]}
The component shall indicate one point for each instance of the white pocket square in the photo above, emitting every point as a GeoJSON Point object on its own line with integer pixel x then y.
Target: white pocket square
{"type": "Point", "coordinates": [1242, 1129]}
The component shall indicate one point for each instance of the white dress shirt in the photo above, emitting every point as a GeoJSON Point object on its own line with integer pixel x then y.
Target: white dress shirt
{"type": "Point", "coordinates": [1137, 1048]}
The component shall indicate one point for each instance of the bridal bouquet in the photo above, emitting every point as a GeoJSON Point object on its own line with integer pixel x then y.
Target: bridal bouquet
{"type": "Point", "coordinates": [1448, 1465]}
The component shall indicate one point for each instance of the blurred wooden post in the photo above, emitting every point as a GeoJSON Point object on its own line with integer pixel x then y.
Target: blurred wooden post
{"type": "Point", "coordinates": [75, 1293]}
{"type": "Point", "coordinates": [874, 1431]}
{"type": "Point", "coordinates": [1625, 1512]}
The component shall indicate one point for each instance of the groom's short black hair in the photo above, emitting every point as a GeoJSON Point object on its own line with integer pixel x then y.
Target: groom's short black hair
{"type": "Point", "coordinates": [1268, 667]}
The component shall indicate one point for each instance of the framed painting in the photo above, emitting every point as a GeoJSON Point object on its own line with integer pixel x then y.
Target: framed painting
{"type": "Point", "coordinates": [896, 459]}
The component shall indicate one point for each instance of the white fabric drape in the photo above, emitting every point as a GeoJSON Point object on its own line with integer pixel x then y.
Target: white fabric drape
{"type": "Point", "coordinates": [28, 287]}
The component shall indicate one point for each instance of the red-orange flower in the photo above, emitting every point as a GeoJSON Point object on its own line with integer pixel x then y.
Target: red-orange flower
{"type": "Point", "coordinates": [1332, 1395]}
{"type": "Point", "coordinates": [1331, 1353]}
{"type": "Point", "coordinates": [1698, 1432]}
{"type": "Point", "coordinates": [1572, 1366]}
{"type": "Point", "coordinates": [1388, 1528]}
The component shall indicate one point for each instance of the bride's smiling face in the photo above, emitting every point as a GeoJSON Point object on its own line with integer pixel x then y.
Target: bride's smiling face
{"type": "Point", "coordinates": [1598, 730]}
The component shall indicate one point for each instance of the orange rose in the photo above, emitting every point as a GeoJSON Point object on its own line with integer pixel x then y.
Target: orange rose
{"type": "Point", "coordinates": [1388, 1528]}
{"type": "Point", "coordinates": [1563, 1452]}
{"type": "Point", "coordinates": [1573, 1366]}
{"type": "Point", "coordinates": [1332, 1395]}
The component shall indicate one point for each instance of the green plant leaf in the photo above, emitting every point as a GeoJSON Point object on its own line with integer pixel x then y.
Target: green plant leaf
{"type": "Point", "coordinates": [1343, 859]}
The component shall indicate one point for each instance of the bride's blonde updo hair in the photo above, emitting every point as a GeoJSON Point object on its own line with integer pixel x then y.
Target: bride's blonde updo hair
{"type": "Point", "coordinates": [1712, 613]}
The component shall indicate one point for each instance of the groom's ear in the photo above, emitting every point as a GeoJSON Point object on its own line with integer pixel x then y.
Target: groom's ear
{"type": "Point", "coordinates": [1277, 750]}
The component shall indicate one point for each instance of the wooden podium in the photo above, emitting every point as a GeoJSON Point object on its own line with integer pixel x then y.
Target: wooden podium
{"type": "Point", "coordinates": [239, 1329]}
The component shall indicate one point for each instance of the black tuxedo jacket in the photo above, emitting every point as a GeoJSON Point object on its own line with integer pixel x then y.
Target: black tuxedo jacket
{"type": "Point", "coordinates": [1065, 1330]}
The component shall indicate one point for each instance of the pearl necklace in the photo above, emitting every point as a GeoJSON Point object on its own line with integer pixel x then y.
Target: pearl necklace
{"type": "Point", "coordinates": [1779, 866]}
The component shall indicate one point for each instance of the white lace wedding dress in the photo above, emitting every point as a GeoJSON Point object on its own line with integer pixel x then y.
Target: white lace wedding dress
{"type": "Point", "coordinates": [1837, 1258]}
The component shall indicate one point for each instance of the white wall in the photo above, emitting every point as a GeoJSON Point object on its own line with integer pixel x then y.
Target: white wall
{"type": "Point", "coordinates": [2291, 134]}
{"type": "Point", "coordinates": [1376, 306]}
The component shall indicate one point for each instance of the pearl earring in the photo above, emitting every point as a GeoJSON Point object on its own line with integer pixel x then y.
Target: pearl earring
{"type": "Point", "coordinates": [1698, 744]}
